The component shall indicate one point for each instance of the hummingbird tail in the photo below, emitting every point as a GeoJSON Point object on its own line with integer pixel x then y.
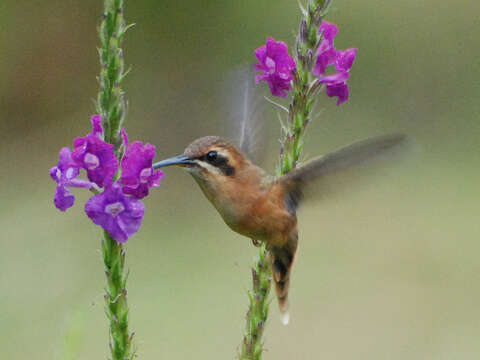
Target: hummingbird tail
{"type": "Point", "coordinates": [282, 262]}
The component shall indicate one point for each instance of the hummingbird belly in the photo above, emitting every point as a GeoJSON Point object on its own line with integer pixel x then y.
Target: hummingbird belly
{"type": "Point", "coordinates": [250, 207]}
{"type": "Point", "coordinates": [261, 218]}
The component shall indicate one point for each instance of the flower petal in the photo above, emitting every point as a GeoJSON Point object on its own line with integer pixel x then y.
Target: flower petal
{"type": "Point", "coordinates": [130, 221]}
{"type": "Point", "coordinates": [92, 147]}
{"type": "Point", "coordinates": [63, 198]}
{"type": "Point", "coordinates": [120, 224]}
{"type": "Point", "coordinates": [344, 59]}
{"type": "Point", "coordinates": [339, 90]}
{"type": "Point", "coordinates": [97, 129]}
{"type": "Point", "coordinates": [63, 174]}
{"type": "Point", "coordinates": [137, 170]}
{"type": "Point", "coordinates": [329, 30]}
{"type": "Point", "coordinates": [124, 137]}
{"type": "Point", "coordinates": [325, 58]}
{"type": "Point", "coordinates": [339, 77]}
{"type": "Point", "coordinates": [55, 173]}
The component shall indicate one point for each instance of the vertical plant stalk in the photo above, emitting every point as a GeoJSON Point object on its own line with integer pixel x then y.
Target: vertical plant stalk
{"type": "Point", "coordinates": [116, 299]}
{"type": "Point", "coordinates": [111, 105]}
{"type": "Point", "coordinates": [305, 87]}
{"type": "Point", "coordinates": [111, 100]}
{"type": "Point", "coordinates": [252, 346]}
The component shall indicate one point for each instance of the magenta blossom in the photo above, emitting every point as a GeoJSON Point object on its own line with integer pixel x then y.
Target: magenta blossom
{"type": "Point", "coordinates": [118, 209]}
{"type": "Point", "coordinates": [64, 174]}
{"type": "Point", "coordinates": [344, 59]}
{"type": "Point", "coordinates": [95, 155]}
{"type": "Point", "coordinates": [337, 82]}
{"type": "Point", "coordinates": [277, 66]}
{"type": "Point", "coordinates": [97, 130]}
{"type": "Point", "coordinates": [121, 216]}
{"type": "Point", "coordinates": [339, 90]}
{"type": "Point", "coordinates": [138, 174]}
{"type": "Point", "coordinates": [327, 55]}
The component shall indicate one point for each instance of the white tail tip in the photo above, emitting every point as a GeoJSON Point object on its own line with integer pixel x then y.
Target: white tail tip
{"type": "Point", "coordinates": [285, 318]}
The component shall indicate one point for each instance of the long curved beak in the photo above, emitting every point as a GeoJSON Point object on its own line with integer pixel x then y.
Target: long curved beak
{"type": "Point", "coordinates": [180, 160]}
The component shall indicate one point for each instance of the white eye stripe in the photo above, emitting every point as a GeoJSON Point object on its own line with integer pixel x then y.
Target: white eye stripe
{"type": "Point", "coordinates": [221, 152]}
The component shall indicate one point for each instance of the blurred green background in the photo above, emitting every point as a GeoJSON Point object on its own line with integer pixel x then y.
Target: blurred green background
{"type": "Point", "coordinates": [386, 270]}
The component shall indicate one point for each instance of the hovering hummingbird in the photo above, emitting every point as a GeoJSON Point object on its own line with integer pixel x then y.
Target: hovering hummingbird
{"type": "Point", "coordinates": [250, 201]}
{"type": "Point", "coordinates": [262, 207]}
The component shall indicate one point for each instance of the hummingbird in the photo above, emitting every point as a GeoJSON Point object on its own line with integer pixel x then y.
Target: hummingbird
{"type": "Point", "coordinates": [263, 207]}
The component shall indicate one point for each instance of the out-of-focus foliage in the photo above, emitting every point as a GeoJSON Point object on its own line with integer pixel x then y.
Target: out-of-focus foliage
{"type": "Point", "coordinates": [387, 269]}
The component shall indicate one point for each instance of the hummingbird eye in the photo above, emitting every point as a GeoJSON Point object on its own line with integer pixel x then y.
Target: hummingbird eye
{"type": "Point", "coordinates": [211, 156]}
{"type": "Point", "coordinates": [219, 161]}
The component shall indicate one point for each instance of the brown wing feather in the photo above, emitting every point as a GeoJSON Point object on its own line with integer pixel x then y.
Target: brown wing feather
{"type": "Point", "coordinates": [347, 157]}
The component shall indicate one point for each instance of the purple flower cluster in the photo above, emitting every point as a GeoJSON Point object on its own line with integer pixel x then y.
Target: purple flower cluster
{"type": "Point", "coordinates": [118, 209]}
{"type": "Point", "coordinates": [342, 60]}
{"type": "Point", "coordinates": [278, 66]}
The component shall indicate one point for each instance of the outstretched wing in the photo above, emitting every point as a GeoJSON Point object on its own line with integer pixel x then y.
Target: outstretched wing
{"type": "Point", "coordinates": [334, 164]}
{"type": "Point", "coordinates": [245, 112]}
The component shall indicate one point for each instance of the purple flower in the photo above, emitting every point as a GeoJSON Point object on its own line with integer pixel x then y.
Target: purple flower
{"type": "Point", "coordinates": [137, 170]}
{"type": "Point", "coordinates": [64, 174]}
{"type": "Point", "coordinates": [97, 129]}
{"type": "Point", "coordinates": [344, 59]}
{"type": "Point", "coordinates": [121, 216]}
{"type": "Point", "coordinates": [340, 90]}
{"type": "Point", "coordinates": [327, 55]}
{"type": "Point", "coordinates": [95, 155]}
{"type": "Point", "coordinates": [277, 66]}
{"type": "Point", "coordinates": [337, 82]}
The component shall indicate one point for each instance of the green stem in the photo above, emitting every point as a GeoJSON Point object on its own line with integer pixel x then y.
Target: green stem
{"type": "Point", "coordinates": [252, 346]}
{"type": "Point", "coordinates": [304, 86]}
{"type": "Point", "coordinates": [304, 91]}
{"type": "Point", "coordinates": [111, 101]}
{"type": "Point", "coordinates": [116, 299]}
{"type": "Point", "coordinates": [111, 105]}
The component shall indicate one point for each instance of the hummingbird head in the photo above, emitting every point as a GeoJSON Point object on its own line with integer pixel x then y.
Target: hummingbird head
{"type": "Point", "coordinates": [223, 173]}
{"type": "Point", "coordinates": [209, 159]}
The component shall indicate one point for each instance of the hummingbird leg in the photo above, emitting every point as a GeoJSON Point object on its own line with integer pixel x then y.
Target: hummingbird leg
{"type": "Point", "coordinates": [256, 242]}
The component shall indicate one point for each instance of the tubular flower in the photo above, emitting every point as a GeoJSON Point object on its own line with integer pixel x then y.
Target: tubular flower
{"type": "Point", "coordinates": [277, 66]}
{"type": "Point", "coordinates": [138, 174]}
{"type": "Point", "coordinates": [95, 155]}
{"type": "Point", "coordinates": [118, 209]}
{"type": "Point", "coordinates": [327, 55]}
{"type": "Point", "coordinates": [121, 216]}
{"type": "Point", "coordinates": [337, 83]}
{"type": "Point", "coordinates": [64, 174]}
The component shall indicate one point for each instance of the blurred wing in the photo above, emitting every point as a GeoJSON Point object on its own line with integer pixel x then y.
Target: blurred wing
{"type": "Point", "coordinates": [245, 112]}
{"type": "Point", "coordinates": [332, 166]}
